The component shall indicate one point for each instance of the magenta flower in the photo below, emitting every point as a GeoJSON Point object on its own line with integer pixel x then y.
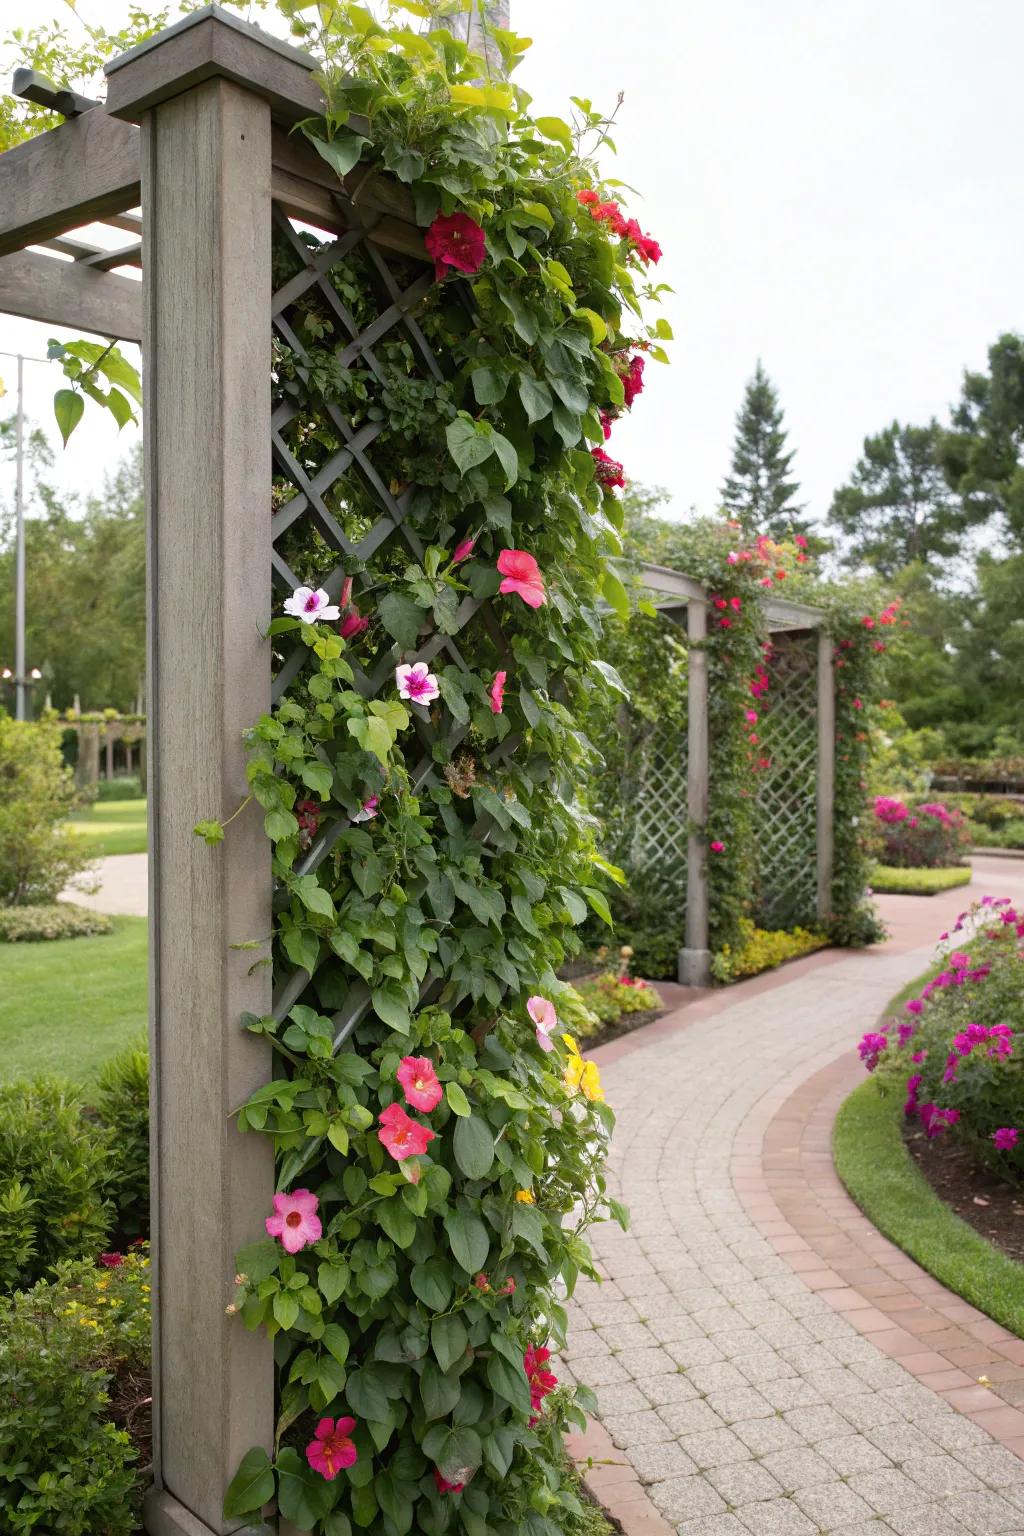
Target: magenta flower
{"type": "Point", "coordinates": [717, 847]}
{"type": "Point", "coordinates": [871, 1048]}
{"type": "Point", "coordinates": [416, 683]}
{"type": "Point", "coordinates": [463, 550]}
{"type": "Point", "coordinates": [311, 605]}
{"type": "Point", "coordinates": [368, 809]}
{"type": "Point", "coordinates": [419, 1082]}
{"type": "Point", "coordinates": [444, 1486]}
{"type": "Point", "coordinates": [402, 1136]}
{"type": "Point", "coordinates": [454, 240]}
{"type": "Point", "coordinates": [542, 1012]}
{"type": "Point", "coordinates": [1005, 1138]}
{"type": "Point", "coordinates": [915, 1005]}
{"type": "Point", "coordinates": [333, 1448]}
{"type": "Point", "coordinates": [353, 624]}
{"type": "Point", "coordinates": [295, 1220]}
{"type": "Point", "coordinates": [111, 1260]}
{"type": "Point", "coordinates": [497, 692]}
{"type": "Point", "coordinates": [522, 576]}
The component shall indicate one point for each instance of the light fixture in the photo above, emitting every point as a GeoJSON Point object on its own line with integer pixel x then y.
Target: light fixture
{"type": "Point", "coordinates": [35, 674]}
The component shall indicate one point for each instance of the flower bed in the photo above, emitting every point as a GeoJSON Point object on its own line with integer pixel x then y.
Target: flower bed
{"type": "Point", "coordinates": [929, 835]}
{"type": "Point", "coordinates": [763, 949]}
{"type": "Point", "coordinates": [918, 882]}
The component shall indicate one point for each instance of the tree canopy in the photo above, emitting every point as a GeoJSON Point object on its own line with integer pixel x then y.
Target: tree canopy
{"type": "Point", "coordinates": [759, 492]}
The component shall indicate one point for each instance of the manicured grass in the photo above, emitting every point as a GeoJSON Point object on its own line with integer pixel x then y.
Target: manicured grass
{"type": "Point", "coordinates": [881, 1176]}
{"type": "Point", "coordinates": [67, 1005]}
{"type": "Point", "coordinates": [112, 826]}
{"type": "Point", "coordinates": [918, 882]}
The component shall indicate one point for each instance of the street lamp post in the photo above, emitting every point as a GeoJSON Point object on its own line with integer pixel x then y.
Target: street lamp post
{"type": "Point", "coordinates": [22, 686]}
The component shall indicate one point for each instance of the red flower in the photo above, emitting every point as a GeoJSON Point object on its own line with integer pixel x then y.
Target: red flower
{"type": "Point", "coordinates": [607, 421]}
{"type": "Point", "coordinates": [463, 550]}
{"type": "Point", "coordinates": [333, 1447]}
{"type": "Point", "coordinates": [307, 814]}
{"type": "Point", "coordinates": [541, 1381]}
{"type": "Point", "coordinates": [401, 1135]}
{"type": "Point", "coordinates": [522, 576]}
{"type": "Point", "coordinates": [610, 214]}
{"type": "Point", "coordinates": [419, 1083]}
{"type": "Point", "coordinates": [353, 624]}
{"type": "Point", "coordinates": [607, 471]}
{"type": "Point", "coordinates": [111, 1260]}
{"type": "Point", "coordinates": [633, 379]}
{"type": "Point", "coordinates": [444, 1486]}
{"type": "Point", "coordinates": [455, 240]}
{"type": "Point", "coordinates": [646, 248]}
{"type": "Point", "coordinates": [482, 1283]}
{"type": "Point", "coordinates": [497, 692]}
{"type": "Point", "coordinates": [587, 195]}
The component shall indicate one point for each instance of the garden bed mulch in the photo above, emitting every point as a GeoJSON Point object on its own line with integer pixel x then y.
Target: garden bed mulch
{"type": "Point", "coordinates": [993, 1208]}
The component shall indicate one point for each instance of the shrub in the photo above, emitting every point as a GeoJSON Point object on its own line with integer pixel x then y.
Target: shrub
{"type": "Point", "coordinates": [926, 836]}
{"type": "Point", "coordinates": [129, 787]}
{"type": "Point", "coordinates": [918, 882]}
{"type": "Point", "coordinates": [1009, 834]}
{"type": "Point", "coordinates": [62, 920]}
{"type": "Point", "coordinates": [611, 996]}
{"type": "Point", "coordinates": [121, 1107]}
{"type": "Point", "coordinates": [763, 949]}
{"type": "Point", "coordinates": [38, 853]}
{"type": "Point", "coordinates": [73, 1356]}
{"type": "Point", "coordinates": [54, 1167]}
{"type": "Point", "coordinates": [952, 1055]}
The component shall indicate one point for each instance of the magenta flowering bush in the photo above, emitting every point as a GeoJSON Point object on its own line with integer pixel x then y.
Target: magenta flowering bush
{"type": "Point", "coordinates": [930, 835]}
{"type": "Point", "coordinates": [953, 1054]}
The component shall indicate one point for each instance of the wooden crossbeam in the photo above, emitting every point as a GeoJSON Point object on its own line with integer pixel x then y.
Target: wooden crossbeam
{"type": "Point", "coordinates": [68, 293]}
{"type": "Point", "coordinates": [86, 169]}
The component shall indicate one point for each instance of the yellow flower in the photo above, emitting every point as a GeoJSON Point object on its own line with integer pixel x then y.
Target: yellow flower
{"type": "Point", "coordinates": [573, 1073]}
{"type": "Point", "coordinates": [590, 1081]}
{"type": "Point", "coordinates": [88, 1322]}
{"type": "Point", "coordinates": [525, 1196]}
{"type": "Point", "coordinates": [581, 1075]}
{"type": "Point", "coordinates": [571, 1043]}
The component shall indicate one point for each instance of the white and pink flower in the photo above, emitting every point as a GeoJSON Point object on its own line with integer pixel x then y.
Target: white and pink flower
{"type": "Point", "coordinates": [416, 683]}
{"type": "Point", "coordinates": [311, 605]}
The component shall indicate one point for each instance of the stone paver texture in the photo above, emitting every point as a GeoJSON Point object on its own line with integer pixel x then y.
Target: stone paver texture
{"type": "Point", "coordinates": [746, 1402]}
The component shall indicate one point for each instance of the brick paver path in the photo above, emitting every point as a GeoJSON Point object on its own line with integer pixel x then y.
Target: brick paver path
{"type": "Point", "coordinates": [746, 1402]}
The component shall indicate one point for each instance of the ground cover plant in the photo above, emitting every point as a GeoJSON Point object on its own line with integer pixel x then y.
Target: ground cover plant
{"type": "Point", "coordinates": [763, 949]}
{"type": "Point", "coordinates": [62, 920]}
{"type": "Point", "coordinates": [918, 882]}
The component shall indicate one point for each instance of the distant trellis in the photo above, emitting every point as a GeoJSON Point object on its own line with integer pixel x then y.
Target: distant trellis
{"type": "Point", "coordinates": [656, 839]}
{"type": "Point", "coordinates": [787, 884]}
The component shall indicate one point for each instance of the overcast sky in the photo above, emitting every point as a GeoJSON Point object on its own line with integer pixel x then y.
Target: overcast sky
{"type": "Point", "coordinates": [837, 189]}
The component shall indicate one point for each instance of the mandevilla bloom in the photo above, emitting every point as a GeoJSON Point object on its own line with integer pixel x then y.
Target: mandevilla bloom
{"type": "Point", "coordinates": [333, 1448]}
{"type": "Point", "coordinates": [402, 1136]}
{"type": "Point", "coordinates": [1005, 1138]}
{"type": "Point", "coordinates": [455, 240]}
{"type": "Point", "coordinates": [416, 683]}
{"type": "Point", "coordinates": [419, 1083]}
{"type": "Point", "coordinates": [542, 1012]}
{"type": "Point", "coordinates": [311, 605]}
{"type": "Point", "coordinates": [497, 692]}
{"type": "Point", "coordinates": [522, 575]}
{"type": "Point", "coordinates": [295, 1220]}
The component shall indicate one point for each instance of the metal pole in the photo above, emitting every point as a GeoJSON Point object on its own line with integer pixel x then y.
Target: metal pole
{"type": "Point", "coordinates": [19, 554]}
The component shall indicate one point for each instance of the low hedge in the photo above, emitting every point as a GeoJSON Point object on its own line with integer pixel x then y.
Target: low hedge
{"type": "Point", "coordinates": [763, 949]}
{"type": "Point", "coordinates": [63, 920]}
{"type": "Point", "coordinates": [918, 882]}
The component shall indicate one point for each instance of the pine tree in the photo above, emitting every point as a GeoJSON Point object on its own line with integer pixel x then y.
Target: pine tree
{"type": "Point", "coordinates": [759, 493]}
{"type": "Point", "coordinates": [897, 507]}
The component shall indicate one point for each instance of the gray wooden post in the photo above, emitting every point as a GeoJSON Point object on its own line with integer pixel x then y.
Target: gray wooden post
{"type": "Point", "coordinates": [695, 958]}
{"type": "Point", "coordinates": [206, 182]}
{"type": "Point", "coordinates": [826, 773]}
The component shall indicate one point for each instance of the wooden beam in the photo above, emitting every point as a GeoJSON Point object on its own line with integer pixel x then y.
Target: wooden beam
{"type": "Point", "coordinates": [66, 293]}
{"type": "Point", "coordinates": [695, 959]}
{"type": "Point", "coordinates": [826, 777]}
{"type": "Point", "coordinates": [83, 170]}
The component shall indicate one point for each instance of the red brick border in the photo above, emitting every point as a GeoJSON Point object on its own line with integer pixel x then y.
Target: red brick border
{"type": "Point", "coordinates": [613, 1482]}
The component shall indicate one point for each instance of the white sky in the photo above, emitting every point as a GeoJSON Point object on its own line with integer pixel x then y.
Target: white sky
{"type": "Point", "coordinates": [837, 188]}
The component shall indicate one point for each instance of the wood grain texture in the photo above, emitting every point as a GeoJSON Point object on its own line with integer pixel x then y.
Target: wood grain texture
{"type": "Point", "coordinates": [66, 293]}
{"type": "Point", "coordinates": [206, 204]}
{"type": "Point", "coordinates": [83, 170]}
{"type": "Point", "coordinates": [826, 773]}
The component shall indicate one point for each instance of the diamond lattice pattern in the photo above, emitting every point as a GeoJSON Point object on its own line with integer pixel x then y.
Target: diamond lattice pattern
{"type": "Point", "coordinates": [786, 795]}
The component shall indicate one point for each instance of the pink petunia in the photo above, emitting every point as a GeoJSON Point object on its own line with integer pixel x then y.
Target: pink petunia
{"type": "Point", "coordinates": [295, 1220]}
{"type": "Point", "coordinates": [522, 575]}
{"type": "Point", "coordinates": [497, 692]}
{"type": "Point", "coordinates": [419, 1083]}
{"type": "Point", "coordinates": [542, 1012]}
{"type": "Point", "coordinates": [333, 1447]}
{"type": "Point", "coordinates": [402, 1136]}
{"type": "Point", "coordinates": [416, 683]}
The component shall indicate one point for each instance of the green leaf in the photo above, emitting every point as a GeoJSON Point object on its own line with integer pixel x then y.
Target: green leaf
{"type": "Point", "coordinates": [536, 397]}
{"type": "Point", "coordinates": [598, 903]}
{"type": "Point", "coordinates": [489, 385]}
{"type": "Point", "coordinates": [455, 1452]}
{"type": "Point", "coordinates": [303, 1496]}
{"type": "Point", "coordinates": [615, 592]}
{"type": "Point", "coordinates": [68, 406]}
{"type": "Point", "coordinates": [335, 1339]}
{"type": "Point", "coordinates": [538, 214]}
{"type": "Point", "coordinates": [523, 318]}
{"type": "Point", "coordinates": [457, 1101]}
{"type": "Point", "coordinates": [365, 1395]}
{"type": "Point", "coordinates": [611, 677]}
{"type": "Point", "coordinates": [439, 1392]}
{"type": "Point", "coordinates": [313, 896]}
{"type": "Point", "coordinates": [119, 408]}
{"type": "Point", "coordinates": [401, 617]}
{"type": "Point", "coordinates": [279, 825]}
{"type": "Point", "coordinates": [258, 1260]}
{"type": "Point", "coordinates": [317, 776]}
{"type": "Point", "coordinates": [342, 151]}
{"type": "Point", "coordinates": [252, 1485]}
{"type": "Point", "coordinates": [467, 444]}
{"type": "Point", "coordinates": [432, 1284]}
{"type": "Point", "coordinates": [373, 735]}
{"type": "Point", "coordinates": [286, 1309]}
{"type": "Point", "coordinates": [554, 128]}
{"type": "Point", "coordinates": [448, 1339]}
{"type": "Point", "coordinates": [118, 370]}
{"type": "Point", "coordinates": [468, 1237]}
{"type": "Point", "coordinates": [390, 1005]}
{"type": "Point", "coordinates": [211, 832]}
{"type": "Point", "coordinates": [508, 1382]}
{"type": "Point", "coordinates": [398, 1222]}
{"type": "Point", "coordinates": [473, 1144]}
{"type": "Point", "coordinates": [507, 457]}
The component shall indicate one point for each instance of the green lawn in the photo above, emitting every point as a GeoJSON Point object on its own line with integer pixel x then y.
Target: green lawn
{"type": "Point", "coordinates": [881, 1176]}
{"type": "Point", "coordinates": [886, 880]}
{"type": "Point", "coordinates": [66, 1006]}
{"type": "Point", "coordinates": [112, 826]}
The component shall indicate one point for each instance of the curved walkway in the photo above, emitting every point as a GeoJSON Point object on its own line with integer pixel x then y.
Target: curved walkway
{"type": "Point", "coordinates": [748, 1387]}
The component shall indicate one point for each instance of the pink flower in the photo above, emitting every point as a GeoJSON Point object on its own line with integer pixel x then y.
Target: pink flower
{"type": "Point", "coordinates": [732, 557]}
{"type": "Point", "coordinates": [402, 1136]}
{"type": "Point", "coordinates": [915, 1005]}
{"type": "Point", "coordinates": [607, 471]}
{"type": "Point", "coordinates": [587, 195]}
{"type": "Point", "coordinates": [333, 1447]}
{"type": "Point", "coordinates": [455, 240]}
{"type": "Point", "coordinates": [416, 683]}
{"type": "Point", "coordinates": [419, 1083]}
{"type": "Point", "coordinates": [311, 605]}
{"type": "Point", "coordinates": [498, 692]}
{"type": "Point", "coordinates": [353, 624]}
{"type": "Point", "coordinates": [463, 550]}
{"type": "Point", "coordinates": [1005, 1138]}
{"type": "Point", "coordinates": [633, 379]}
{"type": "Point", "coordinates": [542, 1012]}
{"type": "Point", "coordinates": [522, 575]}
{"type": "Point", "coordinates": [111, 1260]}
{"type": "Point", "coordinates": [717, 847]}
{"type": "Point", "coordinates": [369, 809]}
{"type": "Point", "coordinates": [750, 715]}
{"type": "Point", "coordinates": [610, 214]}
{"type": "Point", "coordinates": [444, 1486]}
{"type": "Point", "coordinates": [295, 1220]}
{"type": "Point", "coordinates": [800, 541]}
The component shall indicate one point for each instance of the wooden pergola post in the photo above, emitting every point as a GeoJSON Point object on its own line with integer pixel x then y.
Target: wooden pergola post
{"type": "Point", "coordinates": [826, 773]}
{"type": "Point", "coordinates": [695, 958]}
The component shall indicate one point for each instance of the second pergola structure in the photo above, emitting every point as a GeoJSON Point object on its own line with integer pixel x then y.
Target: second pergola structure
{"type": "Point", "coordinates": [195, 131]}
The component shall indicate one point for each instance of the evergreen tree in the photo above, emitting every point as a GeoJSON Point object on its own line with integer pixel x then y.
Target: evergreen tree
{"type": "Point", "coordinates": [983, 454]}
{"type": "Point", "coordinates": [759, 493]}
{"type": "Point", "coordinates": [897, 507]}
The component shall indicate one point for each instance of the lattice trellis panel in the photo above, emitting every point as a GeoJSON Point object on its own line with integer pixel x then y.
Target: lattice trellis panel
{"type": "Point", "coordinates": [657, 831]}
{"type": "Point", "coordinates": [346, 499]}
{"type": "Point", "coordinates": [786, 789]}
